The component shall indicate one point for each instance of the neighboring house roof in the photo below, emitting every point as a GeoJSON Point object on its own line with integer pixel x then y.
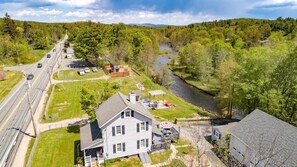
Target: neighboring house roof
{"type": "Point", "coordinates": [115, 105]}
{"type": "Point", "coordinates": [90, 135]}
{"type": "Point", "coordinates": [69, 51]}
{"type": "Point", "coordinates": [225, 129]}
{"type": "Point", "coordinates": [264, 133]}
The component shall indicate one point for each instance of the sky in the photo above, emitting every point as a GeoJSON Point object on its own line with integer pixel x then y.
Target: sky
{"type": "Point", "coordinates": [170, 12]}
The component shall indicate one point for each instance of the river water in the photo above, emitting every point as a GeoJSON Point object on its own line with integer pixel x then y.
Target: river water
{"type": "Point", "coordinates": [184, 90]}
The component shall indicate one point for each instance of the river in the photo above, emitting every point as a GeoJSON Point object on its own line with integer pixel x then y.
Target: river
{"type": "Point", "coordinates": [184, 90]}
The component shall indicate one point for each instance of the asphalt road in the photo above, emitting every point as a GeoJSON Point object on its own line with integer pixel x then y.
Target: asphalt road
{"type": "Point", "coordinates": [14, 109]}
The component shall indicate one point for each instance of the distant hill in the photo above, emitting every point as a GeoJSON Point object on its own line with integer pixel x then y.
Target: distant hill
{"type": "Point", "coordinates": [149, 25]}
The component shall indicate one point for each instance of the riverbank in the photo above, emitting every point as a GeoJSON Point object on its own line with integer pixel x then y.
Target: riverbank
{"type": "Point", "coordinates": [208, 88]}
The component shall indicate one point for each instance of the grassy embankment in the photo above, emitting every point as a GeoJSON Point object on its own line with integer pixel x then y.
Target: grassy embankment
{"type": "Point", "coordinates": [210, 86]}
{"type": "Point", "coordinates": [6, 85]}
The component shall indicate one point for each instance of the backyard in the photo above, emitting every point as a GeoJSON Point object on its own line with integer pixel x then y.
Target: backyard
{"type": "Point", "coordinates": [66, 99]}
{"type": "Point", "coordinates": [57, 148]}
{"type": "Point", "coordinates": [159, 157]}
{"type": "Point", "coordinates": [6, 85]}
{"type": "Point", "coordinates": [123, 162]}
{"type": "Point", "coordinates": [73, 75]}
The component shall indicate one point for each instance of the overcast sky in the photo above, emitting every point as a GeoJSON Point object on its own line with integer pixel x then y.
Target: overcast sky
{"type": "Point", "coordinates": [173, 12]}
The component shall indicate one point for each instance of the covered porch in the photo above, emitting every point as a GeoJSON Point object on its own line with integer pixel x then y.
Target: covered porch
{"type": "Point", "coordinates": [93, 157]}
{"type": "Point", "coordinates": [92, 144]}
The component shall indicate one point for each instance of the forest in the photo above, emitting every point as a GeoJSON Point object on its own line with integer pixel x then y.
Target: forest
{"type": "Point", "coordinates": [250, 63]}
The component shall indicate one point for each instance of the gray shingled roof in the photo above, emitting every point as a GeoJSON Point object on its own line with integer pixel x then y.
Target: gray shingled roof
{"type": "Point", "coordinates": [114, 105]}
{"type": "Point", "coordinates": [261, 132]}
{"type": "Point", "coordinates": [90, 134]}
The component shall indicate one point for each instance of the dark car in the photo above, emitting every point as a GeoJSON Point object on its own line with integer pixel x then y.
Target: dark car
{"type": "Point", "coordinates": [39, 65]}
{"type": "Point", "coordinates": [30, 77]}
{"type": "Point", "coordinates": [48, 55]}
{"type": "Point", "coordinates": [54, 50]}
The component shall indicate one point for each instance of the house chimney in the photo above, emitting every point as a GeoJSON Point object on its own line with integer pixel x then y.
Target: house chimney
{"type": "Point", "coordinates": [132, 97]}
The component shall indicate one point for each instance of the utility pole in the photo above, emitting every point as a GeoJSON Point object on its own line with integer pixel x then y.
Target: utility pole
{"type": "Point", "coordinates": [30, 110]}
{"type": "Point", "coordinates": [49, 75]}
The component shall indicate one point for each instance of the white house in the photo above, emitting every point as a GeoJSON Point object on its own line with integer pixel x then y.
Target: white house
{"type": "Point", "coordinates": [123, 127]}
{"type": "Point", "coordinates": [70, 53]}
{"type": "Point", "coordinates": [219, 133]}
{"type": "Point", "coordinates": [263, 140]}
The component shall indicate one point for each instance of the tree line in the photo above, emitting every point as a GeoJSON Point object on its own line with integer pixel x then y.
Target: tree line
{"type": "Point", "coordinates": [251, 62]}
{"type": "Point", "coordinates": [20, 39]}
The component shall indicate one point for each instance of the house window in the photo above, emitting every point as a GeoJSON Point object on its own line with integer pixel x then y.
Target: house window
{"type": "Point", "coordinates": [142, 143]}
{"type": "Point", "coordinates": [118, 130]}
{"type": "Point", "coordinates": [119, 147]}
{"type": "Point", "coordinates": [142, 126]}
{"type": "Point", "coordinates": [128, 114]}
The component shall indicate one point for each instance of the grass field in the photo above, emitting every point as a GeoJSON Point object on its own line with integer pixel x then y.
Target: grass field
{"type": "Point", "coordinates": [31, 143]}
{"type": "Point", "coordinates": [124, 162]}
{"type": "Point", "coordinates": [73, 75]}
{"type": "Point", "coordinates": [160, 156]}
{"type": "Point", "coordinates": [57, 148]}
{"type": "Point", "coordinates": [12, 78]}
{"type": "Point", "coordinates": [66, 100]}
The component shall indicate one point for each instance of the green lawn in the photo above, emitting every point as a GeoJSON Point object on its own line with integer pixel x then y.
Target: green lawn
{"type": "Point", "coordinates": [66, 100]}
{"type": "Point", "coordinates": [187, 150]}
{"type": "Point", "coordinates": [57, 148]}
{"type": "Point", "coordinates": [176, 163]}
{"type": "Point", "coordinates": [182, 109]}
{"type": "Point", "coordinates": [124, 162]}
{"type": "Point", "coordinates": [31, 143]}
{"type": "Point", "coordinates": [73, 75]}
{"type": "Point", "coordinates": [160, 156]}
{"type": "Point", "coordinates": [12, 78]}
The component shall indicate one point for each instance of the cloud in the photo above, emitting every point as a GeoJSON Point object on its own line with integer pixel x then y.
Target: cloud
{"type": "Point", "coordinates": [107, 16]}
{"type": "Point", "coordinates": [40, 12]}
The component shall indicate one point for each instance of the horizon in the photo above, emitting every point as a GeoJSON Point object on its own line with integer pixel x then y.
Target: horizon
{"type": "Point", "coordinates": [167, 12]}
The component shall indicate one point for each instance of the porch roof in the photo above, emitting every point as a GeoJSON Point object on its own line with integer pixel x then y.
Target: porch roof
{"type": "Point", "coordinates": [90, 135]}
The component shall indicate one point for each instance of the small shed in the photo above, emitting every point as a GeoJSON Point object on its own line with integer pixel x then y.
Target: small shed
{"type": "Point", "coordinates": [157, 93]}
{"type": "Point", "coordinates": [70, 53]}
{"type": "Point", "coordinates": [115, 67]}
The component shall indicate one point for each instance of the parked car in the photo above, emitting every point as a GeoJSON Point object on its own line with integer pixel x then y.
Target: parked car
{"type": "Point", "coordinates": [81, 72]}
{"type": "Point", "coordinates": [48, 55]}
{"type": "Point", "coordinates": [94, 69]}
{"type": "Point", "coordinates": [87, 70]}
{"type": "Point", "coordinates": [39, 65]}
{"type": "Point", "coordinates": [30, 77]}
{"type": "Point", "coordinates": [54, 50]}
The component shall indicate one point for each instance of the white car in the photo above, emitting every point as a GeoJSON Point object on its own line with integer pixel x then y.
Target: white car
{"type": "Point", "coordinates": [87, 70]}
{"type": "Point", "coordinates": [94, 69]}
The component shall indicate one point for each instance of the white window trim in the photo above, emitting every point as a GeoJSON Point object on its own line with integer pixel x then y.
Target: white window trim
{"type": "Point", "coordinates": [121, 149]}
{"type": "Point", "coordinates": [141, 130]}
{"type": "Point", "coordinates": [129, 114]}
{"type": "Point", "coordinates": [116, 131]}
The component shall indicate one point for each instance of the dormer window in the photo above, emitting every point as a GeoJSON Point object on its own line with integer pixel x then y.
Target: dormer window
{"type": "Point", "coordinates": [128, 114]}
